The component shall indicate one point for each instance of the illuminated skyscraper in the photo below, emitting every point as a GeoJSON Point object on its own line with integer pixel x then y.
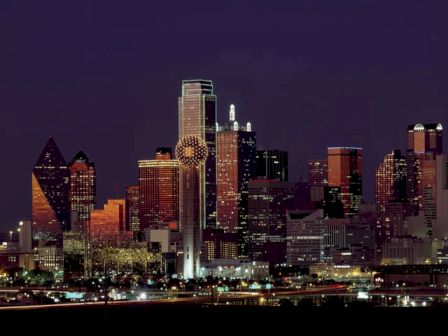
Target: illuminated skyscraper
{"type": "Point", "coordinates": [424, 144]}
{"type": "Point", "coordinates": [159, 190]}
{"type": "Point", "coordinates": [50, 194]}
{"type": "Point", "coordinates": [272, 164]}
{"type": "Point", "coordinates": [236, 148]}
{"type": "Point", "coordinates": [191, 151]}
{"type": "Point", "coordinates": [132, 208]}
{"type": "Point", "coordinates": [390, 180]}
{"type": "Point", "coordinates": [82, 186]}
{"type": "Point", "coordinates": [268, 202]}
{"type": "Point", "coordinates": [345, 171]}
{"type": "Point", "coordinates": [197, 116]}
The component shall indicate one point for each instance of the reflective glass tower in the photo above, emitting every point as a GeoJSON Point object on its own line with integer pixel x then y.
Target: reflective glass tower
{"type": "Point", "coordinates": [345, 171]}
{"type": "Point", "coordinates": [236, 150]}
{"type": "Point", "coordinates": [159, 190]}
{"type": "Point", "coordinates": [197, 116]}
{"type": "Point", "coordinates": [82, 186]}
{"type": "Point", "coordinates": [50, 194]}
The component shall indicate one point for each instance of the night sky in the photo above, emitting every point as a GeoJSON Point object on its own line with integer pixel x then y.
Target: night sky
{"type": "Point", "coordinates": [104, 76]}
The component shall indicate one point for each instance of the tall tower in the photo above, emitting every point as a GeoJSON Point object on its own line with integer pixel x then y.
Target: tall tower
{"type": "Point", "coordinates": [345, 171]}
{"type": "Point", "coordinates": [82, 186]}
{"type": "Point", "coordinates": [159, 190]}
{"type": "Point", "coordinates": [197, 116]}
{"type": "Point", "coordinates": [424, 144]}
{"type": "Point", "coordinates": [390, 180]}
{"type": "Point", "coordinates": [236, 149]}
{"type": "Point", "coordinates": [272, 164]}
{"type": "Point", "coordinates": [50, 194]}
{"type": "Point", "coordinates": [192, 152]}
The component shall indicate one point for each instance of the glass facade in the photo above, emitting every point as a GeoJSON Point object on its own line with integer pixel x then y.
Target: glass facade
{"type": "Point", "coordinates": [82, 186]}
{"type": "Point", "coordinates": [159, 191]}
{"type": "Point", "coordinates": [50, 194]}
{"type": "Point", "coordinates": [268, 202]}
{"type": "Point", "coordinates": [197, 116]}
{"type": "Point", "coordinates": [345, 171]}
{"type": "Point", "coordinates": [390, 180]}
{"type": "Point", "coordinates": [236, 151]}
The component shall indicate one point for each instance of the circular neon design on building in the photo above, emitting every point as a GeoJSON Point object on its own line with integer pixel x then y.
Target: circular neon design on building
{"type": "Point", "coordinates": [191, 151]}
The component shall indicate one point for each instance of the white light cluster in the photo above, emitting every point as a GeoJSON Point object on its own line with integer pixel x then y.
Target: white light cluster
{"type": "Point", "coordinates": [191, 151]}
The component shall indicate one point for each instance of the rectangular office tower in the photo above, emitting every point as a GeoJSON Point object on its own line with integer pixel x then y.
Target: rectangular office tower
{"type": "Point", "coordinates": [197, 116]}
{"type": "Point", "coordinates": [272, 164]}
{"type": "Point", "coordinates": [424, 144]}
{"type": "Point", "coordinates": [159, 190]}
{"type": "Point", "coordinates": [269, 201]}
{"type": "Point", "coordinates": [345, 172]}
{"type": "Point", "coordinates": [82, 186]}
{"type": "Point", "coordinates": [236, 148]}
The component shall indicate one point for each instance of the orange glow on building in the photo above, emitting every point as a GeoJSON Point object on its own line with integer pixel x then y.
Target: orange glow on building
{"type": "Point", "coordinates": [345, 171]}
{"type": "Point", "coordinates": [159, 190]}
{"type": "Point", "coordinates": [108, 223]}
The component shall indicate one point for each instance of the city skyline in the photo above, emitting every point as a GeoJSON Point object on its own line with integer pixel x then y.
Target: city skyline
{"type": "Point", "coordinates": [107, 73]}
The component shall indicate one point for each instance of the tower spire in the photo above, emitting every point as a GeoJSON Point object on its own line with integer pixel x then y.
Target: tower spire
{"type": "Point", "coordinates": [232, 112]}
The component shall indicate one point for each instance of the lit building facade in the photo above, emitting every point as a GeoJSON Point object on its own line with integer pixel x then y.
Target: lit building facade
{"type": "Point", "coordinates": [192, 152]}
{"type": "Point", "coordinates": [109, 223]}
{"type": "Point", "coordinates": [197, 116]}
{"type": "Point", "coordinates": [345, 171]}
{"type": "Point", "coordinates": [82, 186]}
{"type": "Point", "coordinates": [50, 194]}
{"type": "Point", "coordinates": [132, 208]}
{"type": "Point", "coordinates": [390, 180]}
{"type": "Point", "coordinates": [159, 190]}
{"type": "Point", "coordinates": [268, 202]}
{"type": "Point", "coordinates": [424, 144]}
{"type": "Point", "coordinates": [218, 244]}
{"type": "Point", "coordinates": [305, 234]}
{"type": "Point", "coordinates": [236, 150]}
{"type": "Point", "coordinates": [272, 164]}
{"type": "Point", "coordinates": [317, 179]}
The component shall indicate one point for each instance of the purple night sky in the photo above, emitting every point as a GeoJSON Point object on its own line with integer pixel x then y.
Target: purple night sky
{"type": "Point", "coordinates": [104, 76]}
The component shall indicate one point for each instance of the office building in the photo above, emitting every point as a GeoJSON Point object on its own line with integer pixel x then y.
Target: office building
{"type": "Point", "coordinates": [390, 180]}
{"type": "Point", "coordinates": [109, 223]}
{"type": "Point", "coordinates": [424, 144]}
{"type": "Point", "coordinates": [305, 233]}
{"type": "Point", "coordinates": [236, 151]}
{"type": "Point", "coordinates": [218, 244]}
{"type": "Point", "coordinates": [268, 202]}
{"type": "Point", "coordinates": [50, 194]}
{"type": "Point", "coordinates": [197, 117]}
{"type": "Point", "coordinates": [345, 172]}
{"type": "Point", "coordinates": [317, 179]}
{"type": "Point", "coordinates": [82, 186]}
{"type": "Point", "coordinates": [159, 190]}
